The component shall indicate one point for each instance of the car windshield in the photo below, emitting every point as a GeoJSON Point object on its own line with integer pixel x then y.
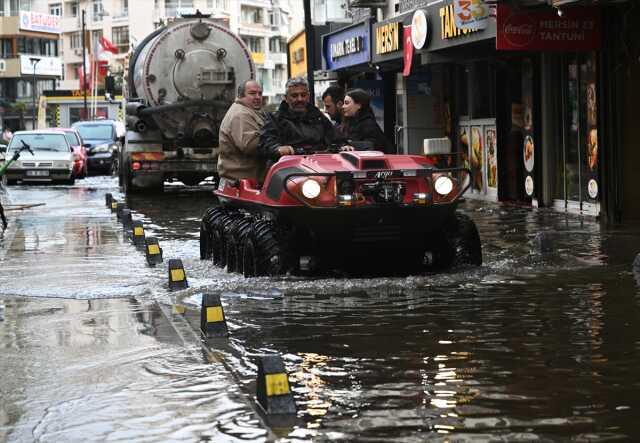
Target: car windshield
{"type": "Point", "coordinates": [40, 142]}
{"type": "Point", "coordinates": [72, 138]}
{"type": "Point", "coordinates": [95, 132]}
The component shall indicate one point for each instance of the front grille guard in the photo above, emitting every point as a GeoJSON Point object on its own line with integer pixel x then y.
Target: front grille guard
{"type": "Point", "coordinates": [461, 183]}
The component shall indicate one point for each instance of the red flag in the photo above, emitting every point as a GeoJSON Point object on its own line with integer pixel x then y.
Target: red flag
{"type": "Point", "coordinates": [108, 46]}
{"type": "Point", "coordinates": [83, 84]}
{"type": "Point", "coordinates": [408, 50]}
{"type": "Point", "coordinates": [103, 66]}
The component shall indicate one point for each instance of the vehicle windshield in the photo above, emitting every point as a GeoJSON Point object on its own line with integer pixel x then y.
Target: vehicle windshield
{"type": "Point", "coordinates": [40, 142]}
{"type": "Point", "coordinates": [95, 132]}
{"type": "Point", "coordinates": [72, 138]}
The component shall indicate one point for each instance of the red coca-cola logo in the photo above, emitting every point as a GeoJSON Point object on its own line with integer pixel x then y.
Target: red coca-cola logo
{"type": "Point", "coordinates": [519, 30]}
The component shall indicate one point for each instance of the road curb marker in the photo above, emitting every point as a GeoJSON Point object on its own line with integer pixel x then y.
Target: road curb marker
{"type": "Point", "coordinates": [153, 251]}
{"type": "Point", "coordinates": [126, 219]}
{"type": "Point", "coordinates": [119, 208]}
{"type": "Point", "coordinates": [213, 323]}
{"type": "Point", "coordinates": [272, 386]}
{"type": "Point", "coordinates": [137, 233]}
{"type": "Point", "coordinates": [177, 276]}
{"type": "Point", "coordinates": [108, 198]}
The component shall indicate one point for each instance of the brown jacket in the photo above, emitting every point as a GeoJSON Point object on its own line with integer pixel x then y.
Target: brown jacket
{"type": "Point", "coordinates": [239, 137]}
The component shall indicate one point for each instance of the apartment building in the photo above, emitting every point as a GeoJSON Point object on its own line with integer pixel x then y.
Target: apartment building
{"type": "Point", "coordinates": [264, 25]}
{"type": "Point", "coordinates": [29, 58]}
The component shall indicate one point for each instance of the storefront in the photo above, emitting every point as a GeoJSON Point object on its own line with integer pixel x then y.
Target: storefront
{"type": "Point", "coordinates": [549, 104]}
{"type": "Point", "coordinates": [450, 92]}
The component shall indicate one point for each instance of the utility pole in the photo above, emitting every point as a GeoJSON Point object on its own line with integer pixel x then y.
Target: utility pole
{"type": "Point", "coordinates": [84, 65]}
{"type": "Point", "coordinates": [309, 43]}
{"type": "Point", "coordinates": [34, 61]}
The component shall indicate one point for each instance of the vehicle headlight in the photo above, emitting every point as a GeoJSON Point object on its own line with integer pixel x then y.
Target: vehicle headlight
{"type": "Point", "coordinates": [443, 185]}
{"type": "Point", "coordinates": [310, 188]}
{"type": "Point", "coordinates": [102, 148]}
{"type": "Point", "coordinates": [62, 164]}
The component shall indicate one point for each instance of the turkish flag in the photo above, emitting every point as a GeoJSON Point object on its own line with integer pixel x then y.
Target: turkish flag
{"type": "Point", "coordinates": [407, 50]}
{"type": "Point", "coordinates": [108, 46]}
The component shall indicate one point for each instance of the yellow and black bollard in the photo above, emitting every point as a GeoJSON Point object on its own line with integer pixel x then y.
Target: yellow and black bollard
{"type": "Point", "coordinates": [153, 251]}
{"type": "Point", "coordinates": [137, 233]}
{"type": "Point", "coordinates": [108, 198]}
{"type": "Point", "coordinates": [272, 387]}
{"type": "Point", "coordinates": [212, 320]}
{"type": "Point", "coordinates": [114, 205]}
{"type": "Point", "coordinates": [177, 276]}
{"type": "Point", "coordinates": [126, 219]}
{"type": "Point", "coordinates": [119, 208]}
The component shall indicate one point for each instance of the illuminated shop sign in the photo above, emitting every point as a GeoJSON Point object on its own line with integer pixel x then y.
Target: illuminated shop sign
{"type": "Point", "coordinates": [347, 47]}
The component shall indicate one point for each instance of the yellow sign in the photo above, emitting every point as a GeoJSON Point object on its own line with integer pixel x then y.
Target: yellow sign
{"type": "Point", "coordinates": [138, 231]}
{"type": "Point", "coordinates": [177, 274]}
{"type": "Point", "coordinates": [277, 384]}
{"type": "Point", "coordinates": [448, 28]}
{"type": "Point", "coordinates": [388, 38]}
{"type": "Point", "coordinates": [298, 55]}
{"type": "Point", "coordinates": [153, 249]}
{"type": "Point", "coordinates": [258, 57]}
{"type": "Point", "coordinates": [214, 314]}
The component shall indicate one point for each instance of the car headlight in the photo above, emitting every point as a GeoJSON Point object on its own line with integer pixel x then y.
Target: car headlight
{"type": "Point", "coordinates": [102, 148]}
{"type": "Point", "coordinates": [443, 185]}
{"type": "Point", "coordinates": [311, 188]}
{"type": "Point", "coordinates": [62, 165]}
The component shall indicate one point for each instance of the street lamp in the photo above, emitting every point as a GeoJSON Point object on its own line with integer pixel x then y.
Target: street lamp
{"type": "Point", "coordinates": [34, 61]}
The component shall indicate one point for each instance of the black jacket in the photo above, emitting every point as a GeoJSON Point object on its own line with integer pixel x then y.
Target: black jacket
{"type": "Point", "coordinates": [310, 130]}
{"type": "Point", "coordinates": [363, 128]}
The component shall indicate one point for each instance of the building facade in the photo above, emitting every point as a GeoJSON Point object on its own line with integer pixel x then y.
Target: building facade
{"type": "Point", "coordinates": [263, 25]}
{"type": "Point", "coordinates": [530, 99]}
{"type": "Point", "coordinates": [30, 59]}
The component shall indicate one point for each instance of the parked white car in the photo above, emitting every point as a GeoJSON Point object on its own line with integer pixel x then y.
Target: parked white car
{"type": "Point", "coordinates": [52, 160]}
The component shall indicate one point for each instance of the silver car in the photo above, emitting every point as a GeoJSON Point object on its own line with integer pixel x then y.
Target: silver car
{"type": "Point", "coordinates": [52, 160]}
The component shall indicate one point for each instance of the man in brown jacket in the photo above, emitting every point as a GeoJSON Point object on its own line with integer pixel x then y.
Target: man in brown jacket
{"type": "Point", "coordinates": [240, 134]}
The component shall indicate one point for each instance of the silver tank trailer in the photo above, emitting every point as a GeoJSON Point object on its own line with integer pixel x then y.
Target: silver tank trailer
{"type": "Point", "coordinates": [185, 76]}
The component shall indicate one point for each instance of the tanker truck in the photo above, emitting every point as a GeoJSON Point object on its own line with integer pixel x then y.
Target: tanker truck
{"type": "Point", "coordinates": [182, 79]}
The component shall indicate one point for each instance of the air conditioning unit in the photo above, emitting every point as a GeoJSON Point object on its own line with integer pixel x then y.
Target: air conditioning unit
{"type": "Point", "coordinates": [436, 146]}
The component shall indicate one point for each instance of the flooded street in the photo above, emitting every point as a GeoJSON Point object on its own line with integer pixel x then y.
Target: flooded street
{"type": "Point", "coordinates": [531, 346]}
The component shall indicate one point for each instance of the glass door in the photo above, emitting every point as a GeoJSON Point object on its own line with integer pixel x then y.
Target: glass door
{"type": "Point", "coordinates": [576, 184]}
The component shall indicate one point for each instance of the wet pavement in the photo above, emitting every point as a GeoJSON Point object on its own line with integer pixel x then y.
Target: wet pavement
{"type": "Point", "coordinates": [531, 346]}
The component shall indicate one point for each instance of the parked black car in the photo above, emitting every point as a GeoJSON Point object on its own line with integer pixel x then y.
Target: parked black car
{"type": "Point", "coordinates": [104, 144]}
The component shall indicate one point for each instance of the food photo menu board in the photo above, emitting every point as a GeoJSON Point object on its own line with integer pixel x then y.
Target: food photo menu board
{"type": "Point", "coordinates": [479, 153]}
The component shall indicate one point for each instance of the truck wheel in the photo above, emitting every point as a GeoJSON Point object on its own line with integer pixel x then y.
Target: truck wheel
{"type": "Point", "coordinates": [464, 239]}
{"type": "Point", "coordinates": [262, 252]}
{"type": "Point", "coordinates": [219, 226]}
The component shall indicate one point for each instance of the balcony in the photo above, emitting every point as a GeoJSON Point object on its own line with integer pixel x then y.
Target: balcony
{"type": "Point", "coordinates": [278, 58]}
{"type": "Point", "coordinates": [9, 26]}
{"type": "Point", "coordinates": [11, 68]}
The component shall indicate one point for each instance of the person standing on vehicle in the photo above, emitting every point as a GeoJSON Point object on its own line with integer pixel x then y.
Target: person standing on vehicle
{"type": "Point", "coordinates": [296, 124]}
{"type": "Point", "coordinates": [359, 122]}
{"type": "Point", "coordinates": [333, 98]}
{"type": "Point", "coordinates": [239, 135]}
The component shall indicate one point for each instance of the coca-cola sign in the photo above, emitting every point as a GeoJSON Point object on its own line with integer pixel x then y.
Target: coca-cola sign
{"type": "Point", "coordinates": [578, 29]}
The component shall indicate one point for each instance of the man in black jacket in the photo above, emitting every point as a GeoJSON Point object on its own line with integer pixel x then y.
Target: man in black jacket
{"type": "Point", "coordinates": [296, 124]}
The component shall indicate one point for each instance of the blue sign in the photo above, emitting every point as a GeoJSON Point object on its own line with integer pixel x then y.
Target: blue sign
{"type": "Point", "coordinates": [347, 47]}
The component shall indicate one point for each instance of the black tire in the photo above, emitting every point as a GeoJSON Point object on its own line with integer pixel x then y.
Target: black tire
{"type": "Point", "coordinates": [262, 251]}
{"type": "Point", "coordinates": [127, 186]}
{"type": "Point", "coordinates": [234, 237]}
{"type": "Point", "coordinates": [464, 239]}
{"type": "Point", "coordinates": [210, 246]}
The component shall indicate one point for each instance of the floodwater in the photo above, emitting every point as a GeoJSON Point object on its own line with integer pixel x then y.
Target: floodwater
{"type": "Point", "coordinates": [531, 346]}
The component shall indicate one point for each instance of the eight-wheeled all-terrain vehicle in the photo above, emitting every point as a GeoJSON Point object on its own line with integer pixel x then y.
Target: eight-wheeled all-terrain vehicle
{"type": "Point", "coordinates": [361, 210]}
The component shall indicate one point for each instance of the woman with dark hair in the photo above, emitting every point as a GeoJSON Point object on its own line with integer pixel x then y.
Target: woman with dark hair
{"type": "Point", "coordinates": [359, 122]}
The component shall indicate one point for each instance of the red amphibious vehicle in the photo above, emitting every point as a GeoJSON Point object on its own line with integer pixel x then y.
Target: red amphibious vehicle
{"type": "Point", "coordinates": [358, 210]}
